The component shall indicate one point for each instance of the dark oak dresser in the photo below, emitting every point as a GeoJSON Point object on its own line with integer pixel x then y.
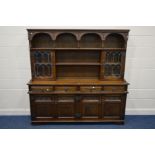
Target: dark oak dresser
{"type": "Point", "coordinates": [77, 75]}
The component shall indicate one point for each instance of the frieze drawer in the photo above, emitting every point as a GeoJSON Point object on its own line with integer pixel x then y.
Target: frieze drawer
{"type": "Point", "coordinates": [114, 88]}
{"type": "Point", "coordinates": [90, 88]}
{"type": "Point", "coordinates": [65, 88]}
{"type": "Point", "coordinates": [42, 88]}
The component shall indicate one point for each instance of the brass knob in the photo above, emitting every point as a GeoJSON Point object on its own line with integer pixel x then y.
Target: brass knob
{"type": "Point", "coordinates": [93, 87]}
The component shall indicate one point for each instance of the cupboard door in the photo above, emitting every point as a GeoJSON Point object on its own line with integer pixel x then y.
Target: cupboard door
{"type": "Point", "coordinates": [42, 106]}
{"type": "Point", "coordinates": [42, 64]}
{"type": "Point", "coordinates": [65, 105]}
{"type": "Point", "coordinates": [113, 65]}
{"type": "Point", "coordinates": [90, 106]}
{"type": "Point", "coordinates": [112, 106]}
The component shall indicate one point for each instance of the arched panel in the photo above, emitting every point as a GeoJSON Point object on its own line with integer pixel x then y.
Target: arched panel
{"type": "Point", "coordinates": [42, 40]}
{"type": "Point", "coordinates": [114, 40]}
{"type": "Point", "coordinates": [91, 40]}
{"type": "Point", "coordinates": [66, 40]}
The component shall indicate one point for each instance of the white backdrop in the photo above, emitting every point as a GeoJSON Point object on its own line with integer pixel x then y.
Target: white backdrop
{"type": "Point", "coordinates": [15, 70]}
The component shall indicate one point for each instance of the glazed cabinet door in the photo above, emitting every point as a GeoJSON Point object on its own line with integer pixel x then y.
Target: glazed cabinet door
{"type": "Point", "coordinates": [42, 106]}
{"type": "Point", "coordinates": [113, 65]}
{"type": "Point", "coordinates": [42, 64]}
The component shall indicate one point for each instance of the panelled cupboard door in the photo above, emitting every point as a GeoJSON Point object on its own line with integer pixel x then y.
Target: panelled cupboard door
{"type": "Point", "coordinates": [90, 106]}
{"type": "Point", "coordinates": [112, 106]}
{"type": "Point", "coordinates": [65, 105]}
{"type": "Point", "coordinates": [42, 106]}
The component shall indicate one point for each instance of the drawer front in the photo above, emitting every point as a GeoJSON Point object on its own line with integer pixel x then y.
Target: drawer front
{"type": "Point", "coordinates": [42, 88]}
{"type": "Point", "coordinates": [114, 88]}
{"type": "Point", "coordinates": [66, 88]}
{"type": "Point", "coordinates": [90, 88]}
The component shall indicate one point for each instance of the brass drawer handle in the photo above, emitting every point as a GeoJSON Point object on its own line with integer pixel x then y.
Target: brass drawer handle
{"type": "Point", "coordinates": [114, 89]}
{"type": "Point", "coordinates": [92, 88]}
{"type": "Point", "coordinates": [66, 89]}
{"type": "Point", "coordinates": [47, 90]}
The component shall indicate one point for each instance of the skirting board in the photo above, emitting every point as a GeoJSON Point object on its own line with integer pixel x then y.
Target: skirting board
{"type": "Point", "coordinates": [27, 111]}
{"type": "Point", "coordinates": [14, 111]}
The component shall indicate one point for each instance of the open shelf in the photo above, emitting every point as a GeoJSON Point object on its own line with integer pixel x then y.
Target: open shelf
{"type": "Point", "coordinates": [83, 49]}
{"type": "Point", "coordinates": [114, 40]}
{"type": "Point", "coordinates": [79, 82]}
{"type": "Point", "coordinates": [40, 49]}
{"type": "Point", "coordinates": [75, 49]}
{"type": "Point", "coordinates": [79, 48]}
{"type": "Point", "coordinates": [112, 63]}
{"type": "Point", "coordinates": [114, 49]}
{"type": "Point", "coordinates": [78, 57]}
{"type": "Point", "coordinates": [91, 40]}
{"type": "Point", "coordinates": [77, 64]}
{"type": "Point", "coordinates": [76, 72]}
{"type": "Point", "coordinates": [42, 40]}
{"type": "Point", "coordinates": [66, 40]}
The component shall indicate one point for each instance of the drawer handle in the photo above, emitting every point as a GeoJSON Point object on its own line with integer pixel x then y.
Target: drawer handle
{"type": "Point", "coordinates": [48, 90]}
{"type": "Point", "coordinates": [93, 88]}
{"type": "Point", "coordinates": [114, 89]}
{"type": "Point", "coordinates": [66, 89]}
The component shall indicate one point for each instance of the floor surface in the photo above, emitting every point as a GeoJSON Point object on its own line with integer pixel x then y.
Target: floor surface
{"type": "Point", "coordinates": [131, 122]}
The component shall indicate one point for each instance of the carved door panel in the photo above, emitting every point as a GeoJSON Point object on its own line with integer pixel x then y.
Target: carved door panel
{"type": "Point", "coordinates": [112, 106]}
{"type": "Point", "coordinates": [65, 106]}
{"type": "Point", "coordinates": [42, 106]}
{"type": "Point", "coordinates": [90, 106]}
